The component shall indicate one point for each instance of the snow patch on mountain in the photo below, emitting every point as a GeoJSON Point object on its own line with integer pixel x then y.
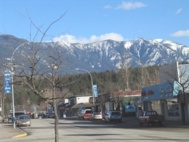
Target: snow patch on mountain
{"type": "Point", "coordinates": [112, 55]}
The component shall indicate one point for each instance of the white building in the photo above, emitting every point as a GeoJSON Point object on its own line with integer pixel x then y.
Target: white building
{"type": "Point", "coordinates": [79, 99]}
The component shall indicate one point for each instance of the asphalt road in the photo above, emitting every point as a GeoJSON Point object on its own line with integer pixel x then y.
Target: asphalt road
{"type": "Point", "coordinates": [73, 130]}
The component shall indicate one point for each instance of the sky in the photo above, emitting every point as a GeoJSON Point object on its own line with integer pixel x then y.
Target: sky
{"type": "Point", "coordinates": [86, 21]}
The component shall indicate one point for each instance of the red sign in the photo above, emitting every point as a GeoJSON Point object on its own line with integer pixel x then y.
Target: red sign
{"type": "Point", "coordinates": [149, 92]}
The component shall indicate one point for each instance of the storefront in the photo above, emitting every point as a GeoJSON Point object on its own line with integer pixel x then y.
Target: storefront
{"type": "Point", "coordinates": [163, 98]}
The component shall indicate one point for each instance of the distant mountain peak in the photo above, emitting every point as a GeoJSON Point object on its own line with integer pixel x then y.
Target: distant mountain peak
{"type": "Point", "coordinates": [110, 54]}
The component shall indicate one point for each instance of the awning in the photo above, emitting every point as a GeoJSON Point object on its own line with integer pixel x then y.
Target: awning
{"type": "Point", "coordinates": [84, 105]}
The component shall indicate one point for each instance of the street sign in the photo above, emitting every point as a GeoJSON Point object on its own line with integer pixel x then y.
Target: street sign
{"type": "Point", "coordinates": [95, 91]}
{"type": "Point", "coordinates": [7, 82]}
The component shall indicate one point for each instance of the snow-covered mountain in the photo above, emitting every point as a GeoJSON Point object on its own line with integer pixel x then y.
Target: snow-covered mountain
{"type": "Point", "coordinates": [111, 55]}
{"type": "Point", "coordinates": [114, 55]}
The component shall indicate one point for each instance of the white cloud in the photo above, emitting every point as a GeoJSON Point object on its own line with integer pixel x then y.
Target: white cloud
{"type": "Point", "coordinates": [179, 11]}
{"type": "Point", "coordinates": [93, 38]}
{"type": "Point", "coordinates": [181, 33]}
{"type": "Point", "coordinates": [131, 5]}
{"type": "Point", "coordinates": [107, 6]}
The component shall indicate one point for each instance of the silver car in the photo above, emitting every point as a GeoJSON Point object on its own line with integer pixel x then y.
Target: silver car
{"type": "Point", "coordinates": [1, 119]}
{"type": "Point", "coordinates": [113, 116]}
{"type": "Point", "coordinates": [96, 116]}
{"type": "Point", "coordinates": [23, 120]}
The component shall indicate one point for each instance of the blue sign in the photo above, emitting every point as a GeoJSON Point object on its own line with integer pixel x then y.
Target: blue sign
{"type": "Point", "coordinates": [95, 91]}
{"type": "Point", "coordinates": [161, 91]}
{"type": "Point", "coordinates": [7, 82]}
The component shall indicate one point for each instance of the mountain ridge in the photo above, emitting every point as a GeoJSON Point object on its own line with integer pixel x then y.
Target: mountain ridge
{"type": "Point", "coordinates": [110, 54]}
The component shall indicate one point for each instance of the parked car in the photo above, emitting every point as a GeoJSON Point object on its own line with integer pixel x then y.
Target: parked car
{"type": "Point", "coordinates": [82, 112]}
{"type": "Point", "coordinates": [87, 114]}
{"type": "Point", "coordinates": [96, 116]}
{"type": "Point", "coordinates": [130, 108]}
{"type": "Point", "coordinates": [17, 113]}
{"type": "Point", "coordinates": [151, 117]}
{"type": "Point", "coordinates": [23, 120]}
{"type": "Point", "coordinates": [52, 115]}
{"type": "Point", "coordinates": [113, 116]}
{"type": "Point", "coordinates": [41, 115]}
{"type": "Point", "coordinates": [1, 118]}
{"type": "Point", "coordinates": [47, 115]}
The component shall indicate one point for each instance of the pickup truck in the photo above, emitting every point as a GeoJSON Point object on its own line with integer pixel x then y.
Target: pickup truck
{"type": "Point", "coordinates": [151, 117]}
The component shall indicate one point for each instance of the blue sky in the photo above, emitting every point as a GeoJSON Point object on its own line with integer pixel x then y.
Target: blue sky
{"type": "Point", "coordinates": [94, 20]}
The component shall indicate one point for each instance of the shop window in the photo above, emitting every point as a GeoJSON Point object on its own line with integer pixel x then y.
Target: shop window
{"type": "Point", "coordinates": [173, 108]}
{"type": "Point", "coordinates": [155, 105]}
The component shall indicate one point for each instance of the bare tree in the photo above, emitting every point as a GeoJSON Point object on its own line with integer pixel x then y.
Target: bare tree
{"type": "Point", "coordinates": [179, 74]}
{"type": "Point", "coordinates": [42, 76]}
{"type": "Point", "coordinates": [183, 81]}
{"type": "Point", "coordinates": [40, 69]}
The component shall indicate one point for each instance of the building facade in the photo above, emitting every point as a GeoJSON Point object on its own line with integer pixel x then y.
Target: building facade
{"type": "Point", "coordinates": [168, 97]}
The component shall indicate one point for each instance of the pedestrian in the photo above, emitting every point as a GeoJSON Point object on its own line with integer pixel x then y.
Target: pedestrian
{"type": "Point", "coordinates": [139, 111]}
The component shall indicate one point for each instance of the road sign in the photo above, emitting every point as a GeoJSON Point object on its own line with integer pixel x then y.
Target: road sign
{"type": "Point", "coordinates": [7, 82]}
{"type": "Point", "coordinates": [95, 91]}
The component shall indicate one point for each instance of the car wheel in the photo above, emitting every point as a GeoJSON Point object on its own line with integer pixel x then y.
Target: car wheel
{"type": "Point", "coordinates": [160, 123]}
{"type": "Point", "coordinates": [147, 123]}
{"type": "Point", "coordinates": [140, 123]}
{"type": "Point", "coordinates": [105, 121]}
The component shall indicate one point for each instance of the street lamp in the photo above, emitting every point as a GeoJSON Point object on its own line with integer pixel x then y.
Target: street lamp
{"type": "Point", "coordinates": [91, 81]}
{"type": "Point", "coordinates": [12, 69]}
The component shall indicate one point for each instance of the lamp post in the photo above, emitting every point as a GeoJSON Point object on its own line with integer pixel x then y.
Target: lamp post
{"type": "Point", "coordinates": [91, 81]}
{"type": "Point", "coordinates": [12, 70]}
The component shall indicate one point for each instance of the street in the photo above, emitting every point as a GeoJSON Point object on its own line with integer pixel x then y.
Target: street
{"type": "Point", "coordinates": [74, 130]}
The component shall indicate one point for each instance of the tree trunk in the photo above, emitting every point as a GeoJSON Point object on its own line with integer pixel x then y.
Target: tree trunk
{"type": "Point", "coordinates": [56, 115]}
{"type": "Point", "coordinates": [183, 113]}
{"type": "Point", "coordinates": [56, 122]}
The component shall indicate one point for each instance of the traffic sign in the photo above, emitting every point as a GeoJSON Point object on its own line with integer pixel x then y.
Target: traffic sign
{"type": "Point", "coordinates": [7, 82]}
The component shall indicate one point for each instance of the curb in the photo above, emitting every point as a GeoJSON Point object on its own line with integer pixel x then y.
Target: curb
{"type": "Point", "coordinates": [23, 134]}
{"type": "Point", "coordinates": [20, 135]}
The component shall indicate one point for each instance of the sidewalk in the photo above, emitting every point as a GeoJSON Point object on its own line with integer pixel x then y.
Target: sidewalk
{"type": "Point", "coordinates": [7, 131]}
{"type": "Point", "coordinates": [133, 121]}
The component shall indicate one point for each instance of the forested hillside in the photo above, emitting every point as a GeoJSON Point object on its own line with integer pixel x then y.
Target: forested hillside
{"type": "Point", "coordinates": [80, 84]}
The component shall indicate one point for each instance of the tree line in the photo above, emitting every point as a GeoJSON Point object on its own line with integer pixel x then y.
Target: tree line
{"type": "Point", "coordinates": [80, 84]}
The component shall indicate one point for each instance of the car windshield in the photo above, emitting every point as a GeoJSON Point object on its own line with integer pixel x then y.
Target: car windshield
{"type": "Point", "coordinates": [96, 113]}
{"type": "Point", "coordinates": [19, 113]}
{"type": "Point", "coordinates": [151, 113]}
{"type": "Point", "coordinates": [88, 111]}
{"type": "Point", "coordinates": [116, 113]}
{"type": "Point", "coordinates": [24, 117]}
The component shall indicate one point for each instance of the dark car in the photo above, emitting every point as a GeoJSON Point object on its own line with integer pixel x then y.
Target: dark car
{"type": "Point", "coordinates": [41, 115]}
{"type": "Point", "coordinates": [151, 117]}
{"type": "Point", "coordinates": [17, 113]}
{"type": "Point", "coordinates": [113, 116]}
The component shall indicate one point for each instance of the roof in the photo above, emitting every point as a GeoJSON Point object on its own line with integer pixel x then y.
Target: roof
{"type": "Point", "coordinates": [128, 93]}
{"type": "Point", "coordinates": [83, 105]}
